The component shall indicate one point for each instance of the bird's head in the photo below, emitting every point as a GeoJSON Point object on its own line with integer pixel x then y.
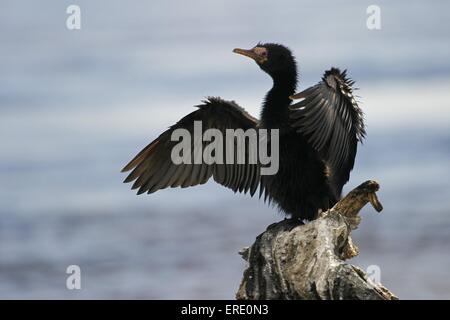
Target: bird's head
{"type": "Point", "coordinates": [271, 57]}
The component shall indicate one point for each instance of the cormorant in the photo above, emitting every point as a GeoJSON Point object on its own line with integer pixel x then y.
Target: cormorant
{"type": "Point", "coordinates": [318, 139]}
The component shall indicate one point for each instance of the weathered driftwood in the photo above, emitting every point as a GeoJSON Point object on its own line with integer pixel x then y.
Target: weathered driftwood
{"type": "Point", "coordinates": [292, 260]}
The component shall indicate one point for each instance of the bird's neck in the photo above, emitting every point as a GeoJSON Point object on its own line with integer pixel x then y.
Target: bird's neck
{"type": "Point", "coordinates": [275, 107]}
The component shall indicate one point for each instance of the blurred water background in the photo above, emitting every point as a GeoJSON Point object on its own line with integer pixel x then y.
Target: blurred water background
{"type": "Point", "coordinates": [75, 106]}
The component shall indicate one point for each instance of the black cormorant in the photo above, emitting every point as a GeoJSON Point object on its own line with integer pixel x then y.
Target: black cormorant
{"type": "Point", "coordinates": [318, 139]}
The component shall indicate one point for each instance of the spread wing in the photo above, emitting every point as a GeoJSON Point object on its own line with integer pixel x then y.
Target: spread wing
{"type": "Point", "coordinates": [333, 123]}
{"type": "Point", "coordinates": [153, 168]}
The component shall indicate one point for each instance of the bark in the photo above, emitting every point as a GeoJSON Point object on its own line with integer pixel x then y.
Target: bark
{"type": "Point", "coordinates": [293, 260]}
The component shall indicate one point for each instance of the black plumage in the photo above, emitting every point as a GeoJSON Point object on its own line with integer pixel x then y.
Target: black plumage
{"type": "Point", "coordinates": [153, 168]}
{"type": "Point", "coordinates": [317, 146]}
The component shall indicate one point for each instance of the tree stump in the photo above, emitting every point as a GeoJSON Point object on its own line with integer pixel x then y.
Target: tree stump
{"type": "Point", "coordinates": [293, 260]}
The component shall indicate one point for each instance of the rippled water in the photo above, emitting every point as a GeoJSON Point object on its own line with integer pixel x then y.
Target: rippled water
{"type": "Point", "coordinates": [75, 106]}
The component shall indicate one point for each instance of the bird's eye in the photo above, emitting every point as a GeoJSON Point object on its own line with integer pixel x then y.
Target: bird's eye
{"type": "Point", "coordinates": [260, 51]}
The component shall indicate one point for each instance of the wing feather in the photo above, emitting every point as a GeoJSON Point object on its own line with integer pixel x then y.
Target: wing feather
{"type": "Point", "coordinates": [330, 118]}
{"type": "Point", "coordinates": [152, 168]}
